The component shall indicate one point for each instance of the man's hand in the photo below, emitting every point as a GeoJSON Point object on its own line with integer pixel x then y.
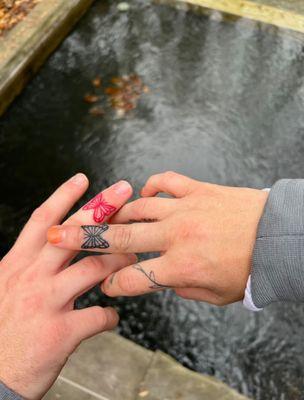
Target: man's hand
{"type": "Point", "coordinates": [205, 234]}
{"type": "Point", "coordinates": [38, 327]}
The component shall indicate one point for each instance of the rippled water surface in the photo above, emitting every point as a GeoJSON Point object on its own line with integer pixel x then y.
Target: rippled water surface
{"type": "Point", "coordinates": [225, 105]}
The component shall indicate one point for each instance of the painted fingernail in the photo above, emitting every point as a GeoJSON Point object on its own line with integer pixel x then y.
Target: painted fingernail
{"type": "Point", "coordinates": [79, 179]}
{"type": "Point", "coordinates": [122, 187]}
{"type": "Point", "coordinates": [55, 234]}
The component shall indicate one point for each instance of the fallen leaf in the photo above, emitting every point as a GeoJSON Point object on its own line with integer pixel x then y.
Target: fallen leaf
{"type": "Point", "coordinates": [97, 111]}
{"type": "Point", "coordinates": [143, 393]}
{"type": "Point", "coordinates": [91, 98]}
{"type": "Point", "coordinates": [96, 82]}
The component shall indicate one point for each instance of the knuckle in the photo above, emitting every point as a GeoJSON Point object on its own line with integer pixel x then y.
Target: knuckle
{"type": "Point", "coordinates": [167, 176]}
{"type": "Point", "coordinates": [181, 229]}
{"type": "Point", "coordinates": [140, 207]}
{"type": "Point", "coordinates": [32, 303]}
{"type": "Point", "coordinates": [41, 214]}
{"type": "Point", "coordinates": [122, 237]}
{"type": "Point", "coordinates": [13, 281]}
{"type": "Point", "coordinates": [55, 333]}
{"type": "Point", "coordinates": [126, 283]}
{"type": "Point", "coordinates": [92, 263]}
{"type": "Point", "coordinates": [185, 231]}
{"type": "Point", "coordinates": [189, 271]}
{"type": "Point", "coordinates": [99, 318]}
{"type": "Point", "coordinates": [95, 262]}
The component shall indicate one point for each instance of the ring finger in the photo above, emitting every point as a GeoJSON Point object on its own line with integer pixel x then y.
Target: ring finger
{"type": "Point", "coordinates": [134, 238]}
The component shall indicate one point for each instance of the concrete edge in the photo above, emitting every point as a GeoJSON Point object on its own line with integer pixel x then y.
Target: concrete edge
{"type": "Point", "coordinates": [132, 373]}
{"type": "Point", "coordinates": [277, 16]}
{"type": "Point", "coordinates": [26, 47]}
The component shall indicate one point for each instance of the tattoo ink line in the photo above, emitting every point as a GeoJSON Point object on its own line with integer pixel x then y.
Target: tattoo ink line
{"type": "Point", "coordinates": [112, 278]}
{"type": "Point", "coordinates": [101, 208]}
{"type": "Point", "coordinates": [146, 220]}
{"type": "Point", "coordinates": [93, 237]}
{"type": "Point", "coordinates": [151, 277]}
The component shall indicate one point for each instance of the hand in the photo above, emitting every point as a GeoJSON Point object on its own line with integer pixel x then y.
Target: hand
{"type": "Point", "coordinates": [38, 327]}
{"type": "Point", "coordinates": [205, 233]}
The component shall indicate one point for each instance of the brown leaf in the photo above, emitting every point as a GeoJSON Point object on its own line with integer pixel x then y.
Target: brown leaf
{"type": "Point", "coordinates": [96, 82]}
{"type": "Point", "coordinates": [97, 111]}
{"type": "Point", "coordinates": [91, 98]}
{"type": "Point", "coordinates": [114, 91]}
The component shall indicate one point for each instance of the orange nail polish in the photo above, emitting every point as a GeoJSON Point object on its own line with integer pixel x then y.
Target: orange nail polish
{"type": "Point", "coordinates": [55, 234]}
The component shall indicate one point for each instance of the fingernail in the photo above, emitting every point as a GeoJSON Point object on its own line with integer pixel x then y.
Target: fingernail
{"type": "Point", "coordinates": [122, 187]}
{"type": "Point", "coordinates": [55, 234]}
{"type": "Point", "coordinates": [79, 179]}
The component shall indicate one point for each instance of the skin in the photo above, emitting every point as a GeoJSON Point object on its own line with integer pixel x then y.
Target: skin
{"type": "Point", "coordinates": [205, 234]}
{"type": "Point", "coordinates": [38, 327]}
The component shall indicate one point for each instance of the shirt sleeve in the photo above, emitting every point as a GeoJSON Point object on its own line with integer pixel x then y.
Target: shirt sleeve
{"type": "Point", "coordinates": [278, 258]}
{"type": "Point", "coordinates": [8, 394]}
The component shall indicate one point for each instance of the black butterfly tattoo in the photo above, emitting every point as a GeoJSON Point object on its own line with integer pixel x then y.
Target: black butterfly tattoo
{"type": "Point", "coordinates": [151, 277]}
{"type": "Point", "coordinates": [93, 237]}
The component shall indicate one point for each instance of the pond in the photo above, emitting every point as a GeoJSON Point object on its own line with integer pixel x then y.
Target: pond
{"type": "Point", "coordinates": [224, 104]}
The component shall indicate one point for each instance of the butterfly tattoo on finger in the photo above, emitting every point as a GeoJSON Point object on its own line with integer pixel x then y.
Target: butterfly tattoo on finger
{"type": "Point", "coordinates": [93, 237]}
{"type": "Point", "coordinates": [101, 208]}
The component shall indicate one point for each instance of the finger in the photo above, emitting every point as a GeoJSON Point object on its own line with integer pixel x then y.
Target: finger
{"type": "Point", "coordinates": [86, 273]}
{"type": "Point", "coordinates": [90, 321]}
{"type": "Point", "coordinates": [105, 204]}
{"type": "Point", "coordinates": [115, 196]}
{"type": "Point", "coordinates": [200, 294]}
{"type": "Point", "coordinates": [171, 183]}
{"type": "Point", "coordinates": [145, 210]}
{"type": "Point", "coordinates": [145, 277]}
{"type": "Point", "coordinates": [52, 211]}
{"type": "Point", "coordinates": [134, 238]}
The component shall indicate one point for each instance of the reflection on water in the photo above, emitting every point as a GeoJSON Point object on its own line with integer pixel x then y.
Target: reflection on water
{"type": "Point", "coordinates": [225, 105]}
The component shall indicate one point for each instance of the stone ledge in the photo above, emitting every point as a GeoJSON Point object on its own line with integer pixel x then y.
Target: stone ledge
{"type": "Point", "coordinates": [281, 13]}
{"type": "Point", "coordinates": [25, 48]}
{"type": "Point", "coordinates": [167, 379]}
{"type": "Point", "coordinates": [109, 367]}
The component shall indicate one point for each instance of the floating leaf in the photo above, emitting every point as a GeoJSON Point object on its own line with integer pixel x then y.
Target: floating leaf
{"type": "Point", "coordinates": [91, 98]}
{"type": "Point", "coordinates": [97, 111]}
{"type": "Point", "coordinates": [96, 82]}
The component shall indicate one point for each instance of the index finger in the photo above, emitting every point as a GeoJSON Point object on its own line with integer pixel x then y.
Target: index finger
{"type": "Point", "coordinates": [33, 236]}
{"type": "Point", "coordinates": [98, 210]}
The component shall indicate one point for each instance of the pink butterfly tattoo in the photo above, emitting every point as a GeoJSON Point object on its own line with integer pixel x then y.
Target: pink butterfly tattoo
{"type": "Point", "coordinates": [101, 208]}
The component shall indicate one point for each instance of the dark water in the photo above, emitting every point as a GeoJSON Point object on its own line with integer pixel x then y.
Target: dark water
{"type": "Point", "coordinates": [225, 105]}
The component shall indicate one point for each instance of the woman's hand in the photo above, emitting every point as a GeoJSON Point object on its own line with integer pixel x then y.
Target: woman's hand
{"type": "Point", "coordinates": [205, 234]}
{"type": "Point", "coordinates": [38, 327]}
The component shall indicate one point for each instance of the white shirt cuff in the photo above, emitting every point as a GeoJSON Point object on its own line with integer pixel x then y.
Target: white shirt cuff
{"type": "Point", "coordinates": [248, 302]}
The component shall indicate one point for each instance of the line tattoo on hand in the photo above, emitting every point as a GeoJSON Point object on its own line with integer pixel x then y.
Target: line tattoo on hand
{"type": "Point", "coordinates": [101, 208]}
{"type": "Point", "coordinates": [146, 220]}
{"type": "Point", "coordinates": [151, 277]}
{"type": "Point", "coordinates": [93, 237]}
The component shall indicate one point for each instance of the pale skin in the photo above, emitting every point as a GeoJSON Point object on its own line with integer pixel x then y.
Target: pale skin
{"type": "Point", "coordinates": [39, 328]}
{"type": "Point", "coordinates": [205, 234]}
